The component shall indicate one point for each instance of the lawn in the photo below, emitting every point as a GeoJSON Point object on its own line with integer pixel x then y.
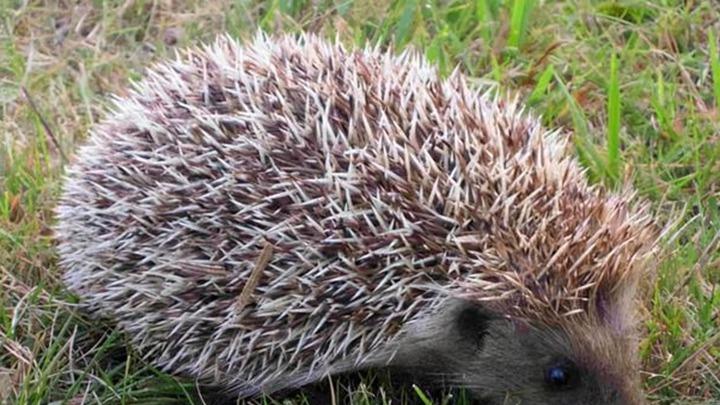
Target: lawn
{"type": "Point", "coordinates": [636, 83]}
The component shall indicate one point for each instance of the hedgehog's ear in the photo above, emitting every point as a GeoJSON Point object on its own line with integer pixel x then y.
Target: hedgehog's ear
{"type": "Point", "coordinates": [520, 326]}
{"type": "Point", "coordinates": [471, 322]}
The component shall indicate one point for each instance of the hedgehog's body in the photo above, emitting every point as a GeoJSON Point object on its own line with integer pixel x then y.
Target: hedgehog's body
{"type": "Point", "coordinates": [259, 217]}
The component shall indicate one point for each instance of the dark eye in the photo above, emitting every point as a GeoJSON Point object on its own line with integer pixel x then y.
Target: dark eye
{"type": "Point", "coordinates": [560, 376]}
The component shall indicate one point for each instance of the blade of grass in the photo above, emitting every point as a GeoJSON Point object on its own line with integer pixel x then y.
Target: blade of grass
{"type": "Point", "coordinates": [425, 400]}
{"type": "Point", "coordinates": [496, 69]}
{"type": "Point", "coordinates": [404, 27]}
{"type": "Point", "coordinates": [268, 18]}
{"type": "Point", "coordinates": [542, 85]}
{"type": "Point", "coordinates": [483, 13]}
{"type": "Point", "coordinates": [586, 150]}
{"type": "Point", "coordinates": [661, 108]}
{"type": "Point", "coordinates": [613, 141]}
{"type": "Point", "coordinates": [518, 21]}
{"type": "Point", "coordinates": [714, 66]}
{"type": "Point", "coordinates": [48, 131]}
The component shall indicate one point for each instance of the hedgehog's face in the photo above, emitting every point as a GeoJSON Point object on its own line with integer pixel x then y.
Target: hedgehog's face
{"type": "Point", "coordinates": [515, 362]}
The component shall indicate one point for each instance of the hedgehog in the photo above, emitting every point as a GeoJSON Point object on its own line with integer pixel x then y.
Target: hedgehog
{"type": "Point", "coordinates": [259, 216]}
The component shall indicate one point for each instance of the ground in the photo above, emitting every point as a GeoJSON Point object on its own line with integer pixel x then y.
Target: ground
{"type": "Point", "coordinates": [636, 83]}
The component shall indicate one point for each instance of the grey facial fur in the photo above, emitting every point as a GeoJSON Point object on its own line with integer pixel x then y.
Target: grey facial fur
{"type": "Point", "coordinates": [501, 360]}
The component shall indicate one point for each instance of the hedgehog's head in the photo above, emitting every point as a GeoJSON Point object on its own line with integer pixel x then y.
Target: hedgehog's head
{"type": "Point", "coordinates": [557, 324]}
{"type": "Point", "coordinates": [521, 362]}
{"type": "Point", "coordinates": [548, 302]}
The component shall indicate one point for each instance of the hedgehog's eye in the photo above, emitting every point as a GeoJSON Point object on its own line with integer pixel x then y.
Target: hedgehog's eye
{"type": "Point", "coordinates": [560, 376]}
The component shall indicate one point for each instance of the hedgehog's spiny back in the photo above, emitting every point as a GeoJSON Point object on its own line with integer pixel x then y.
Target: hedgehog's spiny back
{"type": "Point", "coordinates": [380, 187]}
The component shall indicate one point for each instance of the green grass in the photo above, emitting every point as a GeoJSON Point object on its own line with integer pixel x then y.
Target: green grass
{"type": "Point", "coordinates": [637, 83]}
